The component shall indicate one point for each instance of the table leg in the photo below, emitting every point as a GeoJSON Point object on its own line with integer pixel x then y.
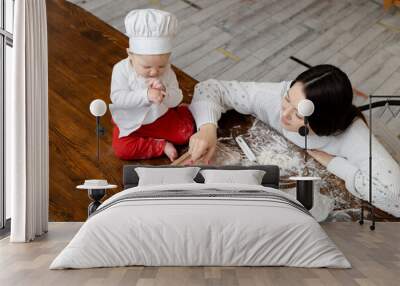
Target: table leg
{"type": "Point", "coordinates": [305, 193]}
{"type": "Point", "coordinates": [95, 196]}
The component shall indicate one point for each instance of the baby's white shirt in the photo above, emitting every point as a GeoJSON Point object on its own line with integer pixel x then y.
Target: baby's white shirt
{"type": "Point", "coordinates": [130, 106]}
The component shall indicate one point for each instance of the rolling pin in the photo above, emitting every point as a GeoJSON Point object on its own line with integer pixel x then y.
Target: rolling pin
{"type": "Point", "coordinates": [181, 159]}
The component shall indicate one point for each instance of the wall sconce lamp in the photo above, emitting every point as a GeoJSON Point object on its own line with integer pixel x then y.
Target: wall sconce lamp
{"type": "Point", "coordinates": [98, 108]}
{"type": "Point", "coordinates": [305, 183]}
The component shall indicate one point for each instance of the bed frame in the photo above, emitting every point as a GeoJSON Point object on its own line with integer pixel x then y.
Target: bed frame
{"type": "Point", "coordinates": [270, 179]}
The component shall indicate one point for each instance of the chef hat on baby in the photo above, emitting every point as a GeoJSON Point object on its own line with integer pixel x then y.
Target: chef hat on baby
{"type": "Point", "coordinates": [150, 31]}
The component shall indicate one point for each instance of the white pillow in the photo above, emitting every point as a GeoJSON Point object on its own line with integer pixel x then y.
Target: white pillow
{"type": "Point", "coordinates": [248, 177]}
{"type": "Point", "coordinates": [163, 176]}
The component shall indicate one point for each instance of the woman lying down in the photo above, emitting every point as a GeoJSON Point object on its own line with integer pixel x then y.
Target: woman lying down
{"type": "Point", "coordinates": [339, 136]}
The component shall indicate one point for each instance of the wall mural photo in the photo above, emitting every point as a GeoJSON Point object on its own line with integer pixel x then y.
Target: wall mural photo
{"type": "Point", "coordinates": [159, 115]}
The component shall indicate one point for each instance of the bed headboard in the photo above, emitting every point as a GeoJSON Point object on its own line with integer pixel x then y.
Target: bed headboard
{"type": "Point", "coordinates": [270, 179]}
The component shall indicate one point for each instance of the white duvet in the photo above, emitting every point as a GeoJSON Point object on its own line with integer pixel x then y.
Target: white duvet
{"type": "Point", "coordinates": [200, 231]}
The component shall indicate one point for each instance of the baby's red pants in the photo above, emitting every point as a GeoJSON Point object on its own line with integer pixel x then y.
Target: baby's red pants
{"type": "Point", "coordinates": [175, 126]}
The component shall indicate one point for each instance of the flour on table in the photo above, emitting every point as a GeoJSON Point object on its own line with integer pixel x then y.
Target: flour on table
{"type": "Point", "coordinates": [284, 161]}
{"type": "Point", "coordinates": [344, 215]}
{"type": "Point", "coordinates": [270, 147]}
{"type": "Point", "coordinates": [225, 155]}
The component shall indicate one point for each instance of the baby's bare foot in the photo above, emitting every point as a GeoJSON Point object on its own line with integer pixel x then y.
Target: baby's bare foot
{"type": "Point", "coordinates": [170, 151]}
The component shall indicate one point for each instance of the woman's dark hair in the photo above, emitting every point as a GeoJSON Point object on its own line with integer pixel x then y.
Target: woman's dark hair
{"type": "Point", "coordinates": [330, 90]}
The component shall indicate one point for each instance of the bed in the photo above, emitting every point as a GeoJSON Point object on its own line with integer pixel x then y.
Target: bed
{"type": "Point", "coordinates": [201, 224]}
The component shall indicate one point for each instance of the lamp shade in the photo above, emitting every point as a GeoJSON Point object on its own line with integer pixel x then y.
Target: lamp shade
{"type": "Point", "coordinates": [305, 107]}
{"type": "Point", "coordinates": [98, 107]}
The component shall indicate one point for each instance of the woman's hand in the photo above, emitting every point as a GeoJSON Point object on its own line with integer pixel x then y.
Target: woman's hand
{"type": "Point", "coordinates": [321, 156]}
{"type": "Point", "coordinates": [203, 143]}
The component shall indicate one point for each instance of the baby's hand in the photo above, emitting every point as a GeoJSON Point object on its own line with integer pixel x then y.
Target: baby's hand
{"type": "Point", "coordinates": [156, 84]}
{"type": "Point", "coordinates": [155, 95]}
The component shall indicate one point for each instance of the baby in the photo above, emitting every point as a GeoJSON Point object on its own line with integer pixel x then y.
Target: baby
{"type": "Point", "coordinates": [145, 93]}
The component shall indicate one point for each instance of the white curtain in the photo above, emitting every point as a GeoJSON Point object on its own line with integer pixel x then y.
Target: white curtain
{"type": "Point", "coordinates": [27, 150]}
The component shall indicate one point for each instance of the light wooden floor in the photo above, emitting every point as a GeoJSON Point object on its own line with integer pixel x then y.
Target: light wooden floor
{"type": "Point", "coordinates": [253, 39]}
{"type": "Point", "coordinates": [375, 257]}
